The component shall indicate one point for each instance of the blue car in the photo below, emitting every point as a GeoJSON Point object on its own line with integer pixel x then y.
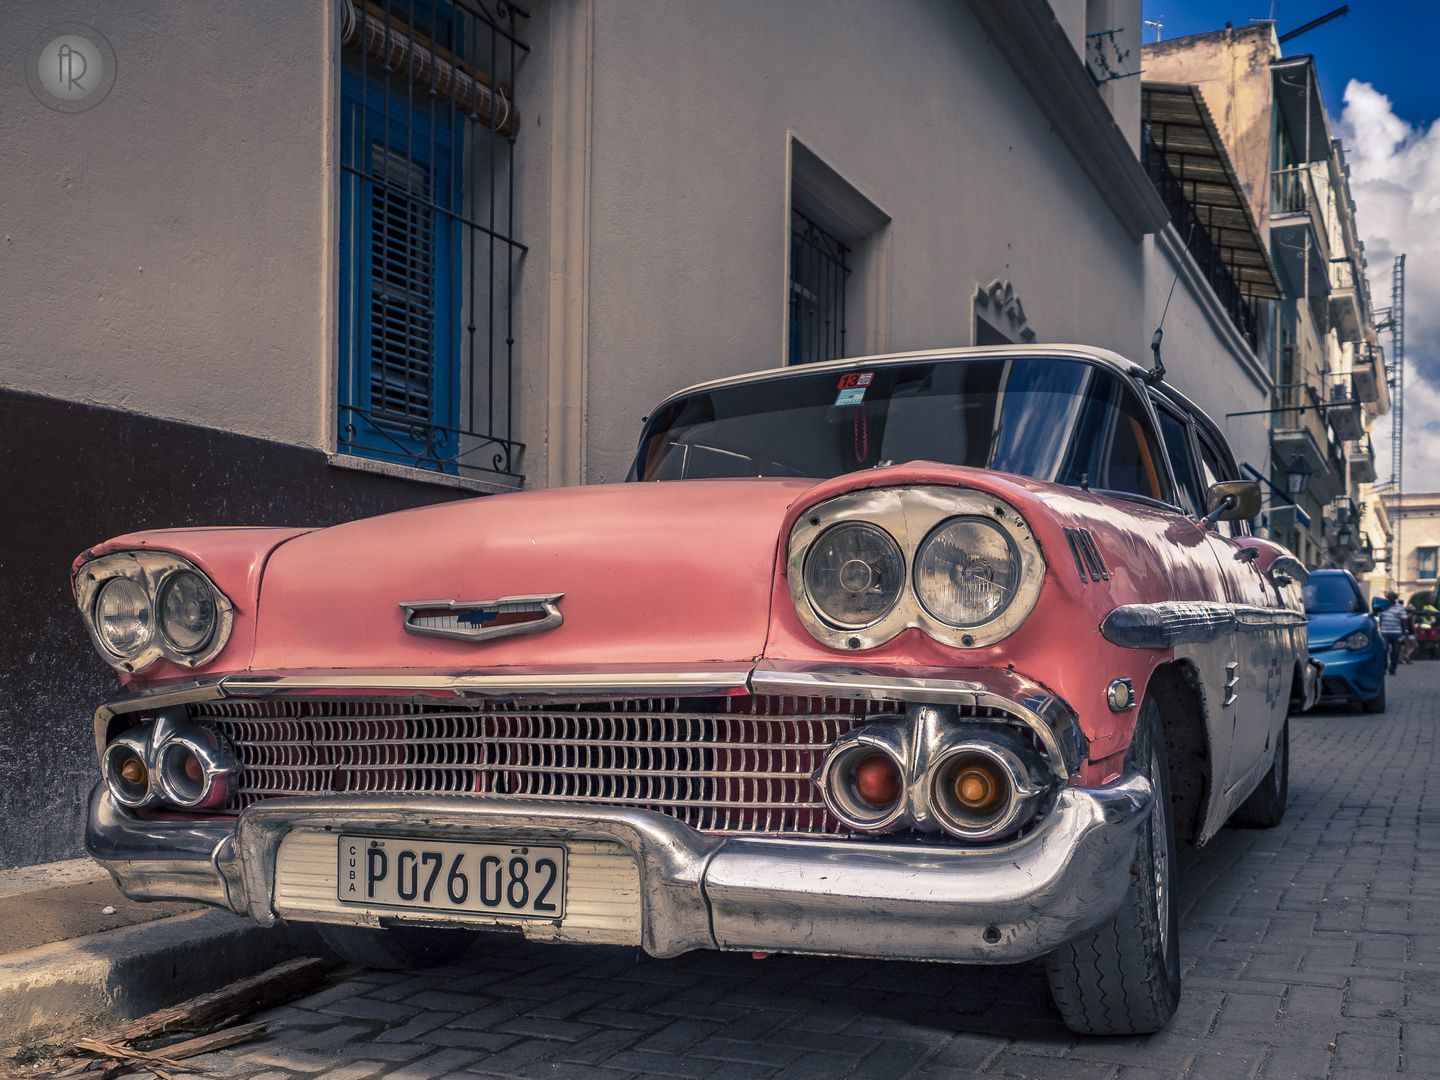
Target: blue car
{"type": "Point", "coordinates": [1345, 638]}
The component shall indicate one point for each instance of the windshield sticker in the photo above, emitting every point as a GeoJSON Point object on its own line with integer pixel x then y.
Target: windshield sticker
{"type": "Point", "coordinates": [853, 387]}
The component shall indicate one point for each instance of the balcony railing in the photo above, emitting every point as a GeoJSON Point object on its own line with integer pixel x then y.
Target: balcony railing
{"type": "Point", "coordinates": [1292, 191]}
{"type": "Point", "coordinates": [1361, 455]}
{"type": "Point", "coordinates": [1295, 405]}
{"type": "Point", "coordinates": [1207, 255]}
{"type": "Point", "coordinates": [1342, 274]}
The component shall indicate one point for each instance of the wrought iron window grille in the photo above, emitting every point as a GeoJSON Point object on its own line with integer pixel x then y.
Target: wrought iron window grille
{"type": "Point", "coordinates": [818, 271]}
{"type": "Point", "coordinates": [429, 257]}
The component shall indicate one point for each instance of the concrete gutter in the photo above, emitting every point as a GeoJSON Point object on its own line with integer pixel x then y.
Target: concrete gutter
{"type": "Point", "coordinates": [68, 989]}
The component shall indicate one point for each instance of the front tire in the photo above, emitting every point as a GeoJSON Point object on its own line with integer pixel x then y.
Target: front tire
{"type": "Point", "coordinates": [1377, 703]}
{"type": "Point", "coordinates": [399, 948]}
{"type": "Point", "coordinates": [1125, 979]}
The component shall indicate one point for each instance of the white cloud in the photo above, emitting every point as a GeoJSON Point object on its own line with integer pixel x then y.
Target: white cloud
{"type": "Point", "coordinates": [1395, 181]}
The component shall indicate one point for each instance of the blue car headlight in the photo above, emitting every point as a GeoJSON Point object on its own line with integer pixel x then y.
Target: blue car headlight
{"type": "Point", "coordinates": [1360, 639]}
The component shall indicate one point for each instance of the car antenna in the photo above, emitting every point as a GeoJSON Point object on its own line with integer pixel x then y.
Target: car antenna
{"type": "Point", "coordinates": [1156, 375]}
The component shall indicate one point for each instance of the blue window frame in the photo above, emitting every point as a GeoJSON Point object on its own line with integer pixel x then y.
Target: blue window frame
{"type": "Point", "coordinates": [429, 260]}
{"type": "Point", "coordinates": [400, 273]}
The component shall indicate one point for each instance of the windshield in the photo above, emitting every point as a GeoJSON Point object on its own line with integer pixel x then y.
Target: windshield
{"type": "Point", "coordinates": [1331, 594]}
{"type": "Point", "coordinates": [1062, 420]}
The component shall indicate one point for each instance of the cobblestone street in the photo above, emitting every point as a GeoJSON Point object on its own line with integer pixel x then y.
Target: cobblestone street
{"type": "Point", "coordinates": [1311, 950]}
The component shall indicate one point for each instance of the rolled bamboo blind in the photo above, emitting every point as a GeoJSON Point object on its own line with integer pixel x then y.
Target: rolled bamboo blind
{"type": "Point", "coordinates": [393, 42]}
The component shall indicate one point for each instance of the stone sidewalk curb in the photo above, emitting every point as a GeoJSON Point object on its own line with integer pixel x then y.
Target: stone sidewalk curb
{"type": "Point", "coordinates": [71, 988]}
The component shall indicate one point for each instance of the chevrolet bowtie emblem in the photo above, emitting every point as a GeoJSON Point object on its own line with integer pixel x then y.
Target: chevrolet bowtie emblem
{"type": "Point", "coordinates": [483, 620]}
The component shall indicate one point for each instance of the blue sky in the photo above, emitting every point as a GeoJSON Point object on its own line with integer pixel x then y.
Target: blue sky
{"type": "Point", "coordinates": [1378, 80]}
{"type": "Point", "coordinates": [1389, 45]}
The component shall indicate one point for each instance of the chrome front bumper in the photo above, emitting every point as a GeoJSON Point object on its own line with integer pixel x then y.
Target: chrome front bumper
{"type": "Point", "coordinates": [690, 890]}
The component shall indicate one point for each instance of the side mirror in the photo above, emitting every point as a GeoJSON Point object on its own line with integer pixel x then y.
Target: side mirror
{"type": "Point", "coordinates": [1232, 500]}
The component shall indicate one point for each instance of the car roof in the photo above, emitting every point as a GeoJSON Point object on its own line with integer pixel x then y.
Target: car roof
{"type": "Point", "coordinates": [1104, 357]}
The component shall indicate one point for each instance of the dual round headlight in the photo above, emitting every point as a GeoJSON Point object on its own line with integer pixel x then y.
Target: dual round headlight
{"type": "Point", "coordinates": [855, 574]}
{"type": "Point", "coordinates": [186, 614]}
{"type": "Point", "coordinates": [142, 605]}
{"type": "Point", "coordinates": [124, 619]}
{"type": "Point", "coordinates": [966, 572]}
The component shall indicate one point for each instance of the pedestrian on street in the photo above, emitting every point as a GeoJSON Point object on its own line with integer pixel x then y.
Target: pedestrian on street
{"type": "Point", "coordinates": [1391, 619]}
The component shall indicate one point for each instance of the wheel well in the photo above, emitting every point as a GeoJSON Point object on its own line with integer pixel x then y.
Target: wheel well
{"type": "Point", "coordinates": [1175, 687]}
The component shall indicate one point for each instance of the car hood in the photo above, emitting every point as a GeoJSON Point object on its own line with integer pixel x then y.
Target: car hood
{"type": "Point", "coordinates": [1325, 630]}
{"type": "Point", "coordinates": [678, 572]}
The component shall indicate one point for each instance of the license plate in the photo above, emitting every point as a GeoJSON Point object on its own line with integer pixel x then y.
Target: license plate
{"type": "Point", "coordinates": [524, 881]}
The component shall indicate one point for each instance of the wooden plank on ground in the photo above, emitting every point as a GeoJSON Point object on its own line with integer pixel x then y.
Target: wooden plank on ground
{"type": "Point", "coordinates": [273, 987]}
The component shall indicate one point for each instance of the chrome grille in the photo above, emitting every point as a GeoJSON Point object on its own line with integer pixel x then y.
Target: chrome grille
{"type": "Point", "coordinates": [736, 764]}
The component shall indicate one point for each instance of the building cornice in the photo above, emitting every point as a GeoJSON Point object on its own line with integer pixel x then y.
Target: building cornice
{"type": "Point", "coordinates": [1033, 43]}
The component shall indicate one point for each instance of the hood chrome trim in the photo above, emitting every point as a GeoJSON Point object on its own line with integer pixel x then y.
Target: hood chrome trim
{"type": "Point", "coordinates": [482, 611]}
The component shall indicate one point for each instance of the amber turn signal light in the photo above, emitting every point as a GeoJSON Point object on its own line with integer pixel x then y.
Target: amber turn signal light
{"type": "Point", "coordinates": [980, 785]}
{"type": "Point", "coordinates": [878, 780]}
{"type": "Point", "coordinates": [133, 770]}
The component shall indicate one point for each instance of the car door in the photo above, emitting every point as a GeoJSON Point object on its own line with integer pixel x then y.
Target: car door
{"type": "Point", "coordinates": [1264, 665]}
{"type": "Point", "coordinates": [1220, 662]}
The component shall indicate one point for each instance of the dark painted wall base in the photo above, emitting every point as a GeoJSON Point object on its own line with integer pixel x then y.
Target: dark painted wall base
{"type": "Point", "coordinates": [72, 476]}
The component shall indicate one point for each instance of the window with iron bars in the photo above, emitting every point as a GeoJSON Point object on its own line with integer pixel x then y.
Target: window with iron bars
{"type": "Point", "coordinates": [817, 292]}
{"type": "Point", "coordinates": [428, 255]}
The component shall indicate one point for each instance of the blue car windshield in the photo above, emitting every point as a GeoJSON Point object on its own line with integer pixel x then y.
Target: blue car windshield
{"type": "Point", "coordinates": [1331, 594]}
{"type": "Point", "coordinates": [1052, 419]}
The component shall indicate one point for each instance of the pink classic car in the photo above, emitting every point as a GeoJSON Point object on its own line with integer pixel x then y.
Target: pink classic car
{"type": "Point", "coordinates": [931, 656]}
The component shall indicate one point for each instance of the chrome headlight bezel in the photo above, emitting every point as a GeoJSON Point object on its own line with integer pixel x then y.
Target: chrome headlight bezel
{"type": "Point", "coordinates": [152, 571]}
{"type": "Point", "coordinates": [910, 515]}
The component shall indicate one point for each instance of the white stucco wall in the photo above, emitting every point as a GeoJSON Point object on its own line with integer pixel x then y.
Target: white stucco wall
{"type": "Point", "coordinates": [1206, 359]}
{"type": "Point", "coordinates": [167, 251]}
{"type": "Point", "coordinates": [909, 102]}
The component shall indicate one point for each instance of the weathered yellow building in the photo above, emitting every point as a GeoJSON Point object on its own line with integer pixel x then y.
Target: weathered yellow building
{"type": "Point", "coordinates": [1318, 334]}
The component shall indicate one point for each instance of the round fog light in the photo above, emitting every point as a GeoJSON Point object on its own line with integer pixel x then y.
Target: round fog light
{"type": "Point", "coordinates": [196, 769]}
{"type": "Point", "coordinates": [126, 774]}
{"type": "Point", "coordinates": [878, 780]}
{"type": "Point", "coordinates": [864, 785]}
{"type": "Point", "coordinates": [978, 787]}
{"type": "Point", "coordinates": [985, 787]}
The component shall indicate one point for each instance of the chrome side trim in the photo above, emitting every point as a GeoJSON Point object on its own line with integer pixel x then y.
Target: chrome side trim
{"type": "Point", "coordinates": [546, 605]}
{"type": "Point", "coordinates": [1287, 566]}
{"type": "Point", "coordinates": [1185, 622]}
